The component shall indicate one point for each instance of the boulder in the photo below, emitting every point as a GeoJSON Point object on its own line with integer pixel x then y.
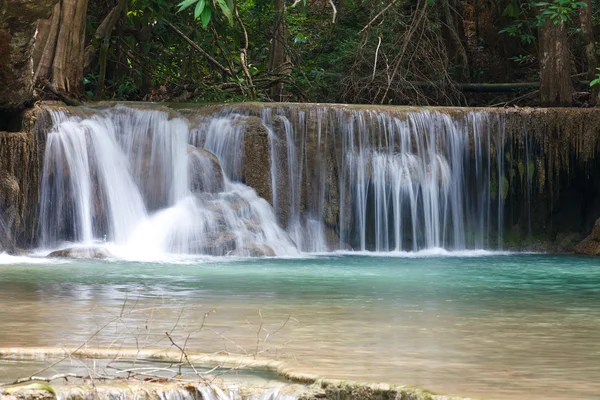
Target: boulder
{"type": "Point", "coordinates": [218, 243]}
{"type": "Point", "coordinates": [254, 251]}
{"type": "Point", "coordinates": [565, 242]}
{"type": "Point", "coordinates": [204, 171]}
{"type": "Point", "coordinates": [590, 245]}
{"type": "Point", "coordinates": [257, 158]}
{"type": "Point", "coordinates": [257, 165]}
{"type": "Point", "coordinates": [82, 252]}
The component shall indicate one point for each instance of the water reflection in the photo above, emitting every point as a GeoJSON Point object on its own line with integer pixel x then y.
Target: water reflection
{"type": "Point", "coordinates": [495, 327]}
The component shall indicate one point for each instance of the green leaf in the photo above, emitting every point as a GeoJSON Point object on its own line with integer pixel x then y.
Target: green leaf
{"type": "Point", "coordinates": [185, 4]}
{"type": "Point", "coordinates": [199, 8]}
{"type": "Point", "coordinates": [31, 386]}
{"type": "Point", "coordinates": [226, 10]}
{"type": "Point", "coordinates": [512, 10]}
{"type": "Point", "coordinates": [206, 14]}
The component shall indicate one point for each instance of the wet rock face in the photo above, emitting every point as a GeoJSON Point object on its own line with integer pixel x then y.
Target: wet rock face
{"type": "Point", "coordinates": [9, 193]}
{"type": "Point", "coordinates": [257, 159]}
{"type": "Point", "coordinates": [20, 175]}
{"type": "Point", "coordinates": [590, 245]}
{"type": "Point", "coordinates": [18, 21]}
{"type": "Point", "coordinates": [204, 171]}
{"type": "Point", "coordinates": [254, 251]}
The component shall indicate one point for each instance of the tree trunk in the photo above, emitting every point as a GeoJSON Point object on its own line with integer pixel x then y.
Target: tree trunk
{"type": "Point", "coordinates": [585, 20]}
{"type": "Point", "coordinates": [61, 60]}
{"type": "Point", "coordinates": [277, 53]}
{"type": "Point", "coordinates": [556, 88]}
{"type": "Point", "coordinates": [103, 32]}
{"type": "Point", "coordinates": [18, 21]}
{"type": "Point", "coordinates": [454, 43]}
{"type": "Point", "coordinates": [102, 75]}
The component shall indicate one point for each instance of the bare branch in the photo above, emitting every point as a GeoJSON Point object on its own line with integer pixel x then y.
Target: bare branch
{"type": "Point", "coordinates": [367, 26]}
{"type": "Point", "coordinates": [200, 50]}
{"type": "Point", "coordinates": [376, 54]}
{"type": "Point", "coordinates": [334, 16]}
{"type": "Point", "coordinates": [53, 378]}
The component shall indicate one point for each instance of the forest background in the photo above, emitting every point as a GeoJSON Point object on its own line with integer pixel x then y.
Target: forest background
{"type": "Point", "coordinates": [410, 52]}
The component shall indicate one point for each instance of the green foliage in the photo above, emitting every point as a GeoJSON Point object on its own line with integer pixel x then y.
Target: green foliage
{"type": "Point", "coordinates": [559, 11]}
{"type": "Point", "coordinates": [90, 81]}
{"type": "Point", "coordinates": [149, 60]}
{"type": "Point", "coordinates": [203, 10]}
{"type": "Point", "coordinates": [513, 10]}
{"type": "Point", "coordinates": [521, 30]}
{"type": "Point", "coordinates": [597, 80]}
{"type": "Point", "coordinates": [523, 26]}
{"type": "Point", "coordinates": [523, 59]}
{"type": "Point", "coordinates": [529, 14]}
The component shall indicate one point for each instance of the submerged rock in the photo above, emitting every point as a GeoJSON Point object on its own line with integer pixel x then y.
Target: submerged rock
{"type": "Point", "coordinates": [254, 251]}
{"type": "Point", "coordinates": [591, 244]}
{"type": "Point", "coordinates": [84, 252]}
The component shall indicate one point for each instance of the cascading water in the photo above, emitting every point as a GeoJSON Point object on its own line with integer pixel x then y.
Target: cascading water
{"type": "Point", "coordinates": [130, 177]}
{"type": "Point", "coordinates": [154, 182]}
{"type": "Point", "coordinates": [401, 182]}
{"type": "Point", "coordinates": [206, 392]}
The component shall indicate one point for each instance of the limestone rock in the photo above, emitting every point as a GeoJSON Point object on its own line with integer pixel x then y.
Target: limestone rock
{"type": "Point", "coordinates": [254, 251]}
{"type": "Point", "coordinates": [9, 194]}
{"type": "Point", "coordinates": [218, 243]}
{"type": "Point", "coordinates": [204, 171]}
{"type": "Point", "coordinates": [257, 159]}
{"type": "Point", "coordinates": [591, 244]}
{"type": "Point", "coordinates": [565, 242]}
{"type": "Point", "coordinates": [257, 165]}
{"type": "Point", "coordinates": [84, 252]}
{"type": "Point", "coordinates": [21, 155]}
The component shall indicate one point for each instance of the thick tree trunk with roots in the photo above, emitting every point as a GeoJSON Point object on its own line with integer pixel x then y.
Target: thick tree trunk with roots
{"type": "Point", "coordinates": [60, 49]}
{"type": "Point", "coordinates": [556, 88]}
{"type": "Point", "coordinates": [587, 29]}
{"type": "Point", "coordinates": [18, 19]}
{"type": "Point", "coordinates": [277, 53]}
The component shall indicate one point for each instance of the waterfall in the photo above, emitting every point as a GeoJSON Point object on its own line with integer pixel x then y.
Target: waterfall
{"type": "Point", "coordinates": [154, 181]}
{"type": "Point", "coordinates": [404, 182]}
{"type": "Point", "coordinates": [130, 177]}
{"type": "Point", "coordinates": [205, 392]}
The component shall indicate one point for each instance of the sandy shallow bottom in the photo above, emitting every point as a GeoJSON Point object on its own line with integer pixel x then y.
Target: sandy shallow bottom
{"type": "Point", "coordinates": [491, 326]}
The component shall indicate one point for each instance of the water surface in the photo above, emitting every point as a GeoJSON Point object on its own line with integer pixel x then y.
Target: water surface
{"type": "Point", "coordinates": [497, 326]}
